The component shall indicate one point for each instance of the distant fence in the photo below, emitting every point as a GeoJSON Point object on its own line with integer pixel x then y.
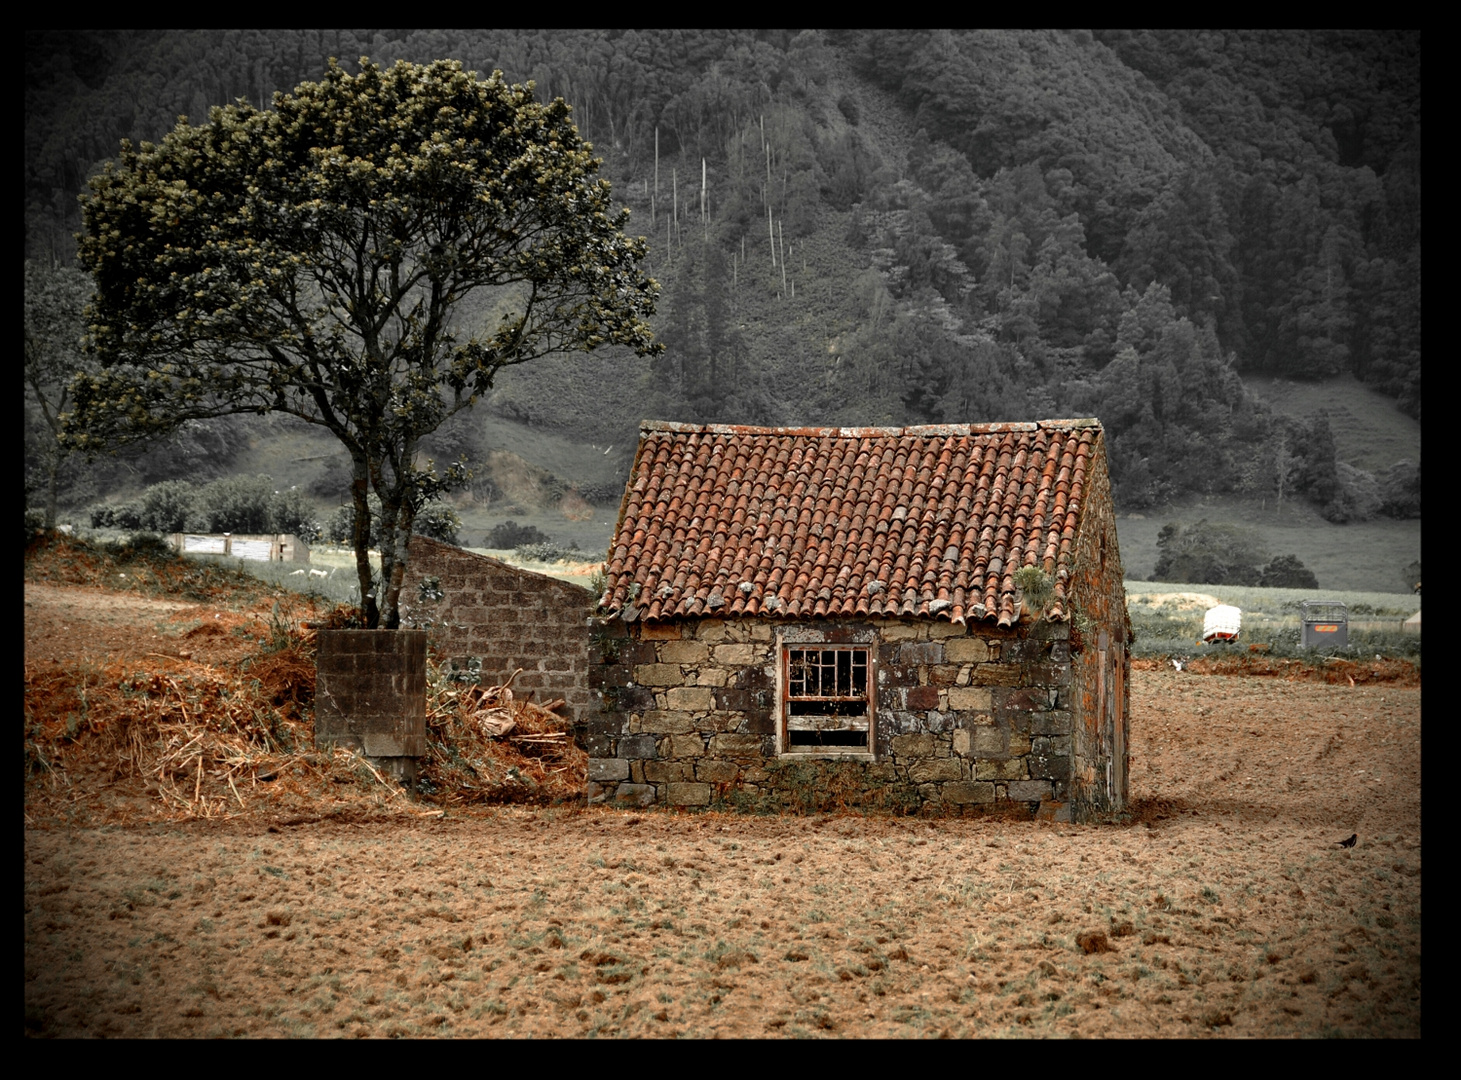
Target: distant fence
{"type": "Point", "coordinates": [260, 547]}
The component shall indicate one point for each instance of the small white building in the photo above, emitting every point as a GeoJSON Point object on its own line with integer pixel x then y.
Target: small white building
{"type": "Point", "coordinates": [261, 547]}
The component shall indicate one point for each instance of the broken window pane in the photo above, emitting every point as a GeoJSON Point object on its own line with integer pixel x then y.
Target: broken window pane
{"type": "Point", "coordinates": [826, 701]}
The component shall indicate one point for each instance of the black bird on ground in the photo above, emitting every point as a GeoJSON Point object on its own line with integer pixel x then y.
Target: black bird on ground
{"type": "Point", "coordinates": [1350, 842]}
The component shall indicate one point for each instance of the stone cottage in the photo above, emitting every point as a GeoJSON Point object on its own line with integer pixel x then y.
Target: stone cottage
{"type": "Point", "coordinates": [813, 618]}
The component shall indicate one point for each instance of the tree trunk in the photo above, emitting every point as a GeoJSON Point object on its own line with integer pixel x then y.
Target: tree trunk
{"type": "Point", "coordinates": [393, 556]}
{"type": "Point", "coordinates": [360, 539]}
{"type": "Point", "coordinates": [53, 470]}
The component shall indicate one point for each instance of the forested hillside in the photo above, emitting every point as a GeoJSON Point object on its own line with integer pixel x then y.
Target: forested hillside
{"type": "Point", "coordinates": [920, 226]}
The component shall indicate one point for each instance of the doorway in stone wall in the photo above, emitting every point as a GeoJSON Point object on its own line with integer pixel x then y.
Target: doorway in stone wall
{"type": "Point", "coordinates": [1110, 708]}
{"type": "Point", "coordinates": [1115, 709]}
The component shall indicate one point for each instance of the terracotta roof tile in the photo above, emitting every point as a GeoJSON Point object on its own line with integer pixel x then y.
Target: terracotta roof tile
{"type": "Point", "coordinates": [836, 522]}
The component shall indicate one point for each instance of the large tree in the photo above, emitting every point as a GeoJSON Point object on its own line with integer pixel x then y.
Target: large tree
{"type": "Point", "coordinates": [366, 255]}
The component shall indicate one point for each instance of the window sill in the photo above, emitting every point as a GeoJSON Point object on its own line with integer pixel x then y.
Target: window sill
{"type": "Point", "coordinates": [826, 755]}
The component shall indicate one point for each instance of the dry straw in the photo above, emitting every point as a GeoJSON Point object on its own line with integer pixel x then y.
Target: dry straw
{"type": "Point", "coordinates": [235, 737]}
{"type": "Point", "coordinates": [485, 744]}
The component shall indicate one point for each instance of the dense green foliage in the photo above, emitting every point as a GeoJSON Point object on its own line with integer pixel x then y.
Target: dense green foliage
{"type": "Point", "coordinates": [314, 259]}
{"type": "Point", "coordinates": [920, 226]}
{"type": "Point", "coordinates": [1287, 572]}
{"type": "Point", "coordinates": [1206, 553]}
{"type": "Point", "coordinates": [340, 527]}
{"type": "Point", "coordinates": [509, 534]}
{"type": "Point", "coordinates": [436, 520]}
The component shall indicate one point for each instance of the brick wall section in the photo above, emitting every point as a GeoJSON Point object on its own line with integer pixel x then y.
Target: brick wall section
{"type": "Point", "coordinates": [1098, 602]}
{"type": "Point", "coordinates": [505, 617]}
{"type": "Point", "coordinates": [966, 720]}
{"type": "Point", "coordinates": [370, 692]}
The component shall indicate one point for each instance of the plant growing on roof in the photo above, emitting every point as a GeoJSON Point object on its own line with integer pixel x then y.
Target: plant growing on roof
{"type": "Point", "coordinates": [1037, 589]}
{"type": "Point", "coordinates": [315, 258]}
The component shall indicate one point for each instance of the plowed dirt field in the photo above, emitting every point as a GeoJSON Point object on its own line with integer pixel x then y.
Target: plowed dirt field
{"type": "Point", "coordinates": [1224, 907]}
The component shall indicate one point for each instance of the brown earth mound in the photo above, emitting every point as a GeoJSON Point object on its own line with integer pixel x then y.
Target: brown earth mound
{"type": "Point", "coordinates": [1335, 670]}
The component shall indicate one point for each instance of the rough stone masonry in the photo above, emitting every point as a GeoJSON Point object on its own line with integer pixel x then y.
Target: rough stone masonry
{"type": "Point", "coordinates": [965, 719]}
{"type": "Point", "coordinates": [370, 696]}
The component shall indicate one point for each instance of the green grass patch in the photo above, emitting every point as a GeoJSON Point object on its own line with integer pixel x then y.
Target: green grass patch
{"type": "Point", "coordinates": [1370, 431]}
{"type": "Point", "coordinates": [1167, 620]}
{"type": "Point", "coordinates": [1362, 555]}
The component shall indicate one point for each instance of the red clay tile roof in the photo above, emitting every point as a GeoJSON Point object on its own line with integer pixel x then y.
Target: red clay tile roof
{"type": "Point", "coordinates": [722, 521]}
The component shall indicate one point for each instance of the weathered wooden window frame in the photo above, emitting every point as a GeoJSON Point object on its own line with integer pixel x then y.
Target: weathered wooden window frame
{"type": "Point", "coordinates": [786, 696]}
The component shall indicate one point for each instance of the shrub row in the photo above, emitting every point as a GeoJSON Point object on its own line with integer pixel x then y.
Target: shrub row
{"type": "Point", "coordinates": [510, 534]}
{"type": "Point", "coordinates": [549, 552]}
{"type": "Point", "coordinates": [251, 504]}
{"type": "Point", "coordinates": [238, 504]}
{"type": "Point", "coordinates": [1221, 554]}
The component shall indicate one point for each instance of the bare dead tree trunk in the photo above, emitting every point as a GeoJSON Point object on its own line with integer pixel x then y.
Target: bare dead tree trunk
{"type": "Point", "coordinates": [782, 239]}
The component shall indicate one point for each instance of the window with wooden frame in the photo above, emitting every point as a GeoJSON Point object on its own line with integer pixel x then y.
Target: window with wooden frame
{"type": "Point", "coordinates": [826, 699]}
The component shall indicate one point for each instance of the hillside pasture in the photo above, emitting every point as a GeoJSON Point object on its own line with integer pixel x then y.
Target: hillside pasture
{"type": "Point", "coordinates": [1363, 555]}
{"type": "Point", "coordinates": [1370, 431]}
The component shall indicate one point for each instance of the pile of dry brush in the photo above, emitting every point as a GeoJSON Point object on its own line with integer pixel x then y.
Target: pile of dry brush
{"type": "Point", "coordinates": [207, 740]}
{"type": "Point", "coordinates": [485, 744]}
{"type": "Point", "coordinates": [198, 740]}
{"type": "Point", "coordinates": [201, 741]}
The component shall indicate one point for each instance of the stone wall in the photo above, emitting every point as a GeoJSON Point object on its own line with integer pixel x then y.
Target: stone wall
{"type": "Point", "coordinates": [502, 618]}
{"type": "Point", "coordinates": [1100, 640]}
{"type": "Point", "coordinates": [966, 719]}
